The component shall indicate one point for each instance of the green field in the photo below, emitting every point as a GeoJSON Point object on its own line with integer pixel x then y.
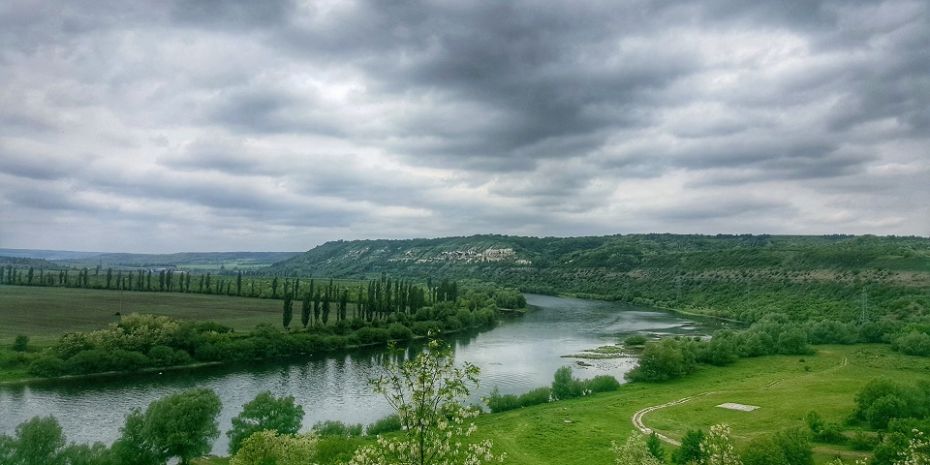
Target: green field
{"type": "Point", "coordinates": [785, 387]}
{"type": "Point", "coordinates": [47, 312]}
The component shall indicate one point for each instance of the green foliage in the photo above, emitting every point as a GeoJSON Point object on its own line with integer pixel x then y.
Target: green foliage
{"type": "Point", "coordinates": [882, 400]}
{"type": "Point", "coordinates": [635, 340]}
{"type": "Point", "coordinates": [388, 424]}
{"type": "Point", "coordinates": [663, 360]}
{"type": "Point", "coordinates": [913, 343]}
{"type": "Point", "coordinates": [654, 444]}
{"type": "Point", "coordinates": [335, 428]}
{"type": "Point", "coordinates": [182, 425]}
{"type": "Point", "coordinates": [564, 386]}
{"type": "Point", "coordinates": [265, 413]}
{"type": "Point", "coordinates": [427, 393]}
{"type": "Point", "coordinates": [39, 441]}
{"type": "Point", "coordinates": [21, 343]}
{"type": "Point", "coordinates": [690, 449]}
{"type": "Point", "coordinates": [635, 451]}
{"type": "Point", "coordinates": [272, 448]}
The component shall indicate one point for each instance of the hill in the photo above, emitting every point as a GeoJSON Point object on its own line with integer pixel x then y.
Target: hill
{"type": "Point", "coordinates": [197, 261]}
{"type": "Point", "coordinates": [734, 276]}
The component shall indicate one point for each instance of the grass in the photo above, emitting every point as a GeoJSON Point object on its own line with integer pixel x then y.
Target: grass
{"type": "Point", "coordinates": [786, 388]}
{"type": "Point", "coordinates": [45, 313]}
{"type": "Point", "coordinates": [580, 431]}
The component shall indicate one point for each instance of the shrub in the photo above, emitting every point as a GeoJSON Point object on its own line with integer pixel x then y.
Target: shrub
{"type": "Point", "coordinates": [501, 403]}
{"type": "Point", "coordinates": [602, 383]}
{"type": "Point", "coordinates": [535, 397]}
{"type": "Point", "coordinates": [47, 365]}
{"type": "Point", "coordinates": [397, 331]}
{"type": "Point", "coordinates": [912, 343]}
{"type": "Point", "coordinates": [564, 386]}
{"type": "Point", "coordinates": [21, 343]}
{"type": "Point", "coordinates": [664, 360]}
{"type": "Point", "coordinates": [387, 424]}
{"type": "Point", "coordinates": [635, 340]}
{"type": "Point", "coordinates": [338, 428]}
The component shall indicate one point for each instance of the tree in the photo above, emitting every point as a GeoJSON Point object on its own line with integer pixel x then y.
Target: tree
{"type": "Point", "coordinates": [270, 448]}
{"type": "Point", "coordinates": [634, 451]}
{"type": "Point", "coordinates": [133, 446]}
{"type": "Point", "coordinates": [764, 451]}
{"type": "Point", "coordinates": [563, 386]}
{"type": "Point", "coordinates": [38, 441]}
{"type": "Point", "coordinates": [239, 283]}
{"type": "Point", "coordinates": [427, 393]}
{"type": "Point", "coordinates": [183, 425]}
{"type": "Point", "coordinates": [717, 447]}
{"type": "Point", "coordinates": [917, 452]}
{"type": "Point", "coordinates": [274, 288]}
{"type": "Point", "coordinates": [265, 412]}
{"type": "Point", "coordinates": [690, 450]}
{"type": "Point", "coordinates": [795, 446]}
{"type": "Point", "coordinates": [21, 343]}
{"type": "Point", "coordinates": [654, 444]}
{"type": "Point", "coordinates": [305, 310]}
{"type": "Point", "coordinates": [288, 313]}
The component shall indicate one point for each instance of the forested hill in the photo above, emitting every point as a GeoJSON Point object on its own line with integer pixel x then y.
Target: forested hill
{"type": "Point", "coordinates": [738, 276]}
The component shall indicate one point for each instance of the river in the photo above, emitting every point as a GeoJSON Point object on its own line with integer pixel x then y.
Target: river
{"type": "Point", "coordinates": [518, 355]}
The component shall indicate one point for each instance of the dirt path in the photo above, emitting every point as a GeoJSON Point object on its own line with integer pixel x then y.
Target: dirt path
{"type": "Point", "coordinates": [638, 419]}
{"type": "Point", "coordinates": [638, 416]}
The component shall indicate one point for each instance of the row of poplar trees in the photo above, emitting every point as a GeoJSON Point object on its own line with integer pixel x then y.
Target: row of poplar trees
{"type": "Point", "coordinates": [377, 300]}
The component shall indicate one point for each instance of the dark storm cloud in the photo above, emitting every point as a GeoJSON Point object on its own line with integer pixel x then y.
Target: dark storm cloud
{"type": "Point", "coordinates": [347, 119]}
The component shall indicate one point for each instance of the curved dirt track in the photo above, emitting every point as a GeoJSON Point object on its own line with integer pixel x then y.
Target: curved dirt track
{"type": "Point", "coordinates": [638, 419]}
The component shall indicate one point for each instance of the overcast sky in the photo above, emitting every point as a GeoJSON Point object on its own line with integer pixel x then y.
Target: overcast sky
{"type": "Point", "coordinates": [262, 125]}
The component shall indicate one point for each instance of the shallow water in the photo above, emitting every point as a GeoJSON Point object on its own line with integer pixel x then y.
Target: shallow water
{"type": "Point", "coordinates": [516, 356]}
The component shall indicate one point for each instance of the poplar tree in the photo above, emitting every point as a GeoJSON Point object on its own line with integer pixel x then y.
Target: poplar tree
{"type": "Point", "coordinates": [109, 277]}
{"type": "Point", "coordinates": [239, 283]}
{"type": "Point", "coordinates": [288, 310]}
{"type": "Point", "coordinates": [305, 310]}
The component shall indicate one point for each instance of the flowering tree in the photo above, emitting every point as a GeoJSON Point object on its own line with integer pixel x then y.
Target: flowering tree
{"type": "Point", "coordinates": [917, 452]}
{"type": "Point", "coordinates": [717, 447]}
{"type": "Point", "coordinates": [427, 393]}
{"type": "Point", "coordinates": [635, 451]}
{"type": "Point", "coordinates": [270, 448]}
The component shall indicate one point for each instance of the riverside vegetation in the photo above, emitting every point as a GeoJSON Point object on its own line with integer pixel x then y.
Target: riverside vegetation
{"type": "Point", "coordinates": [387, 310]}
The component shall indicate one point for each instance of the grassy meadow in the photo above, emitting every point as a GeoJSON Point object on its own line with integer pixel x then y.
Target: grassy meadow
{"type": "Point", "coordinates": [43, 313]}
{"type": "Point", "coordinates": [784, 387]}
{"type": "Point", "coordinates": [580, 431]}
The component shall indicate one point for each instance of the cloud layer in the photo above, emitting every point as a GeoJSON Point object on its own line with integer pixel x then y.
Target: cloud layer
{"type": "Point", "coordinates": [208, 125]}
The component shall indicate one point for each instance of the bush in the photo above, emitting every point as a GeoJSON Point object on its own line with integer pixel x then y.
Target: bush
{"type": "Point", "coordinates": [863, 441]}
{"type": "Point", "coordinates": [564, 386]}
{"type": "Point", "coordinates": [399, 332]}
{"type": "Point", "coordinates": [635, 340]}
{"type": "Point", "coordinates": [21, 343]}
{"type": "Point", "coordinates": [502, 403]}
{"type": "Point", "coordinates": [387, 424]}
{"type": "Point", "coordinates": [912, 343]}
{"type": "Point", "coordinates": [664, 360]}
{"type": "Point", "coordinates": [164, 356]}
{"type": "Point", "coordinates": [338, 429]}
{"type": "Point", "coordinates": [47, 365]}
{"type": "Point", "coordinates": [535, 397]}
{"type": "Point", "coordinates": [602, 383]}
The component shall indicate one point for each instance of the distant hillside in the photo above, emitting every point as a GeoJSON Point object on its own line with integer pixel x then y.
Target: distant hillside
{"type": "Point", "coordinates": [206, 261]}
{"type": "Point", "coordinates": [739, 276]}
{"type": "Point", "coordinates": [22, 262]}
{"type": "Point", "coordinates": [186, 260]}
{"type": "Point", "coordinates": [46, 254]}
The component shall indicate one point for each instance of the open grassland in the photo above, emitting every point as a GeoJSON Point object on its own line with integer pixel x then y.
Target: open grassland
{"type": "Point", "coordinates": [785, 387]}
{"type": "Point", "coordinates": [44, 313]}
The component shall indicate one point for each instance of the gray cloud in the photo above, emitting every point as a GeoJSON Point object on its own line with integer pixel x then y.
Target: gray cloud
{"type": "Point", "coordinates": [216, 125]}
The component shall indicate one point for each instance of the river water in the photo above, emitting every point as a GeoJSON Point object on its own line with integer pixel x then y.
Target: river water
{"type": "Point", "coordinates": [516, 356]}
